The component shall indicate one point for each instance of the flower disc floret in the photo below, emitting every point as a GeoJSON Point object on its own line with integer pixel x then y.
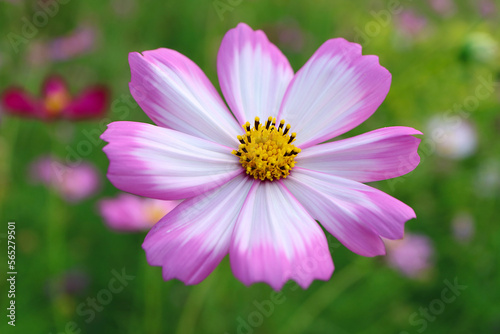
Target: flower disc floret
{"type": "Point", "coordinates": [266, 152]}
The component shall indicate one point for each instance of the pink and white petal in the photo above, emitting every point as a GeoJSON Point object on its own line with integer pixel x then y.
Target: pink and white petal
{"type": "Point", "coordinates": [175, 93]}
{"type": "Point", "coordinates": [193, 238]}
{"type": "Point", "coordinates": [91, 103]}
{"type": "Point", "coordinates": [335, 217]}
{"type": "Point", "coordinates": [275, 240]}
{"type": "Point", "coordinates": [160, 163]}
{"type": "Point", "coordinates": [19, 102]}
{"type": "Point", "coordinates": [54, 85]}
{"type": "Point", "coordinates": [354, 213]}
{"type": "Point", "coordinates": [253, 74]}
{"type": "Point", "coordinates": [335, 91]}
{"type": "Point", "coordinates": [377, 155]}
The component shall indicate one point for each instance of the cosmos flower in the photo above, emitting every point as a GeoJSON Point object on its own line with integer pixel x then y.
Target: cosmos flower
{"type": "Point", "coordinates": [132, 213]}
{"type": "Point", "coordinates": [72, 183]}
{"type": "Point", "coordinates": [410, 24]}
{"type": "Point", "coordinates": [443, 7]}
{"type": "Point", "coordinates": [254, 184]}
{"type": "Point", "coordinates": [411, 256]}
{"type": "Point", "coordinates": [79, 42]}
{"type": "Point", "coordinates": [487, 8]}
{"type": "Point", "coordinates": [463, 227]}
{"type": "Point", "coordinates": [453, 140]}
{"type": "Point", "coordinates": [56, 101]}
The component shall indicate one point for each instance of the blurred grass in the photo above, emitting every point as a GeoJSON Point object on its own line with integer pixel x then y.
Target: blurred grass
{"type": "Point", "coordinates": [363, 296]}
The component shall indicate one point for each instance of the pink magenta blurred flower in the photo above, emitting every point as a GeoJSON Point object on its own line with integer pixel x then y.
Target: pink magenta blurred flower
{"type": "Point", "coordinates": [132, 213]}
{"type": "Point", "coordinates": [487, 8]}
{"type": "Point", "coordinates": [79, 42]}
{"type": "Point", "coordinates": [56, 101]}
{"type": "Point", "coordinates": [254, 191]}
{"type": "Point", "coordinates": [443, 7]}
{"type": "Point", "coordinates": [412, 255]}
{"type": "Point", "coordinates": [411, 24]}
{"type": "Point", "coordinates": [72, 183]}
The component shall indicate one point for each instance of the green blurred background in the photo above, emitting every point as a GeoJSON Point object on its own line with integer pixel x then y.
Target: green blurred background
{"type": "Point", "coordinates": [439, 53]}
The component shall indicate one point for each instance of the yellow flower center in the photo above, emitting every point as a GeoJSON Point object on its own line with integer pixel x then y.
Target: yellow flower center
{"type": "Point", "coordinates": [56, 102]}
{"type": "Point", "coordinates": [266, 151]}
{"type": "Point", "coordinates": [155, 213]}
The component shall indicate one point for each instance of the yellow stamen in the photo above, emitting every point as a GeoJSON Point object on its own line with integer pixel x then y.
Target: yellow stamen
{"type": "Point", "coordinates": [267, 152]}
{"type": "Point", "coordinates": [154, 212]}
{"type": "Point", "coordinates": [55, 102]}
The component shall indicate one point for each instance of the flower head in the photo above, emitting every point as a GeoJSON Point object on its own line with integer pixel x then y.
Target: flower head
{"type": "Point", "coordinates": [463, 227]}
{"type": "Point", "coordinates": [72, 183]}
{"type": "Point", "coordinates": [454, 140]}
{"type": "Point", "coordinates": [79, 42]}
{"type": "Point", "coordinates": [254, 184]}
{"type": "Point", "coordinates": [443, 7]}
{"type": "Point", "coordinates": [412, 256]}
{"type": "Point", "coordinates": [132, 213]}
{"type": "Point", "coordinates": [487, 8]}
{"type": "Point", "coordinates": [56, 101]}
{"type": "Point", "coordinates": [410, 23]}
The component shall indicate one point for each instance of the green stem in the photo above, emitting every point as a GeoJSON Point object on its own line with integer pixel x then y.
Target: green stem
{"type": "Point", "coordinates": [316, 303]}
{"type": "Point", "coordinates": [11, 131]}
{"type": "Point", "coordinates": [193, 306]}
{"type": "Point", "coordinates": [55, 227]}
{"type": "Point", "coordinates": [153, 299]}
